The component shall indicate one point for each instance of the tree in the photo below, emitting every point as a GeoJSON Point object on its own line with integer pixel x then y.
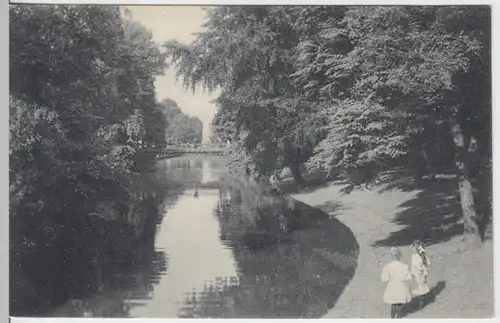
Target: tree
{"type": "Point", "coordinates": [403, 78]}
{"type": "Point", "coordinates": [246, 52]}
{"type": "Point", "coordinates": [149, 61]}
{"type": "Point", "coordinates": [181, 129]}
{"type": "Point", "coordinates": [82, 108]}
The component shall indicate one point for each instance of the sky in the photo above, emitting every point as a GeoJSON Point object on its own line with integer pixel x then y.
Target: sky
{"type": "Point", "coordinates": [179, 23]}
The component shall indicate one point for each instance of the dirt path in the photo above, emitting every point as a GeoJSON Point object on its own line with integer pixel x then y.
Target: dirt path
{"type": "Point", "coordinates": [462, 281]}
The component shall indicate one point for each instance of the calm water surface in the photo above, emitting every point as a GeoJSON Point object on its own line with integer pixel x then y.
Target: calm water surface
{"type": "Point", "coordinates": [198, 269]}
{"type": "Point", "coordinates": [189, 235]}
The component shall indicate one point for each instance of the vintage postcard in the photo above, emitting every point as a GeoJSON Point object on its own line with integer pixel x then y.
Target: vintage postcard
{"type": "Point", "coordinates": [250, 161]}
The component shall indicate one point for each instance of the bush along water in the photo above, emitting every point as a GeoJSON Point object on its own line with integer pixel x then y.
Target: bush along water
{"type": "Point", "coordinates": [257, 213]}
{"type": "Point", "coordinates": [83, 191]}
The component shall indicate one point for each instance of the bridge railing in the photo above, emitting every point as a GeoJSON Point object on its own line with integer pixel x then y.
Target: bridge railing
{"type": "Point", "coordinates": [186, 149]}
{"type": "Point", "coordinates": [179, 151]}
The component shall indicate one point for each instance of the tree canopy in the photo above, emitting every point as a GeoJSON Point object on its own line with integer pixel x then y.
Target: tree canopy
{"type": "Point", "coordinates": [358, 89]}
{"type": "Point", "coordinates": [247, 53]}
{"type": "Point", "coordinates": [82, 113]}
{"type": "Point", "coordinates": [181, 128]}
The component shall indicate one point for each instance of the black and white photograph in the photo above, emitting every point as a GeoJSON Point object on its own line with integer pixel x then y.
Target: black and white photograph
{"type": "Point", "coordinates": [250, 161]}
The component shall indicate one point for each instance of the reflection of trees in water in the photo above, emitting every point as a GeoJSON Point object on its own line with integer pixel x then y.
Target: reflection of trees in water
{"type": "Point", "coordinates": [276, 291]}
{"type": "Point", "coordinates": [271, 284]}
{"type": "Point", "coordinates": [175, 190]}
{"type": "Point", "coordinates": [140, 280]}
{"type": "Point", "coordinates": [217, 164]}
{"type": "Point", "coordinates": [179, 174]}
{"type": "Point", "coordinates": [288, 280]}
{"type": "Point", "coordinates": [137, 280]}
{"type": "Point", "coordinates": [131, 284]}
{"type": "Point", "coordinates": [299, 274]}
{"type": "Point", "coordinates": [256, 210]}
{"type": "Point", "coordinates": [115, 276]}
{"type": "Point", "coordinates": [189, 169]}
{"type": "Point", "coordinates": [198, 163]}
{"type": "Point", "coordinates": [215, 300]}
{"type": "Point", "coordinates": [183, 170]}
{"type": "Point", "coordinates": [113, 293]}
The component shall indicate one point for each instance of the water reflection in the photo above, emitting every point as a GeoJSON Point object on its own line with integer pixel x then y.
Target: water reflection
{"type": "Point", "coordinates": [188, 170]}
{"type": "Point", "coordinates": [300, 276]}
{"type": "Point", "coordinates": [231, 252]}
{"type": "Point", "coordinates": [130, 288]}
{"type": "Point", "coordinates": [215, 300]}
{"type": "Point", "coordinates": [190, 235]}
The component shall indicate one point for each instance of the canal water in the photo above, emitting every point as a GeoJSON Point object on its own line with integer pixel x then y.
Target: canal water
{"type": "Point", "coordinates": [189, 235]}
{"type": "Point", "coordinates": [202, 266]}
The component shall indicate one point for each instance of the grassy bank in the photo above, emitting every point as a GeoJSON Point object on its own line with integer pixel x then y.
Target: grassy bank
{"type": "Point", "coordinates": [389, 215]}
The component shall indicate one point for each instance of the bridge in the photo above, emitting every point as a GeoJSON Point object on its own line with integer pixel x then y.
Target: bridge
{"type": "Point", "coordinates": [171, 151]}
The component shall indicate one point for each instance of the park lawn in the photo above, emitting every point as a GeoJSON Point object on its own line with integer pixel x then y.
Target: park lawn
{"type": "Point", "coordinates": [461, 280]}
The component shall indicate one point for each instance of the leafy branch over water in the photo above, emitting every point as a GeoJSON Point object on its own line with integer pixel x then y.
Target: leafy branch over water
{"type": "Point", "coordinates": [82, 115]}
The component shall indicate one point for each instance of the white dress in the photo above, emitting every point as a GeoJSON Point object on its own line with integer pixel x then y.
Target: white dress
{"type": "Point", "coordinates": [419, 272]}
{"type": "Point", "coordinates": [398, 276]}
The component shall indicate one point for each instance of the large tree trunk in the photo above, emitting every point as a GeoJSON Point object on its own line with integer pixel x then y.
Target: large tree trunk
{"type": "Point", "coordinates": [297, 174]}
{"type": "Point", "coordinates": [471, 230]}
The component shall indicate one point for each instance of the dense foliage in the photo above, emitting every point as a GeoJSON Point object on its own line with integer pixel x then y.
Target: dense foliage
{"type": "Point", "coordinates": [361, 90]}
{"type": "Point", "coordinates": [247, 53]}
{"type": "Point", "coordinates": [181, 128]}
{"type": "Point", "coordinates": [82, 113]}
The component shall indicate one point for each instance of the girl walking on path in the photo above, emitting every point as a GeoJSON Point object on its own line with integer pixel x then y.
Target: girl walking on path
{"type": "Point", "coordinates": [419, 269]}
{"type": "Point", "coordinates": [398, 276]}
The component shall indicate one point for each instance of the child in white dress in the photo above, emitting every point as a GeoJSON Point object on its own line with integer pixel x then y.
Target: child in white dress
{"type": "Point", "coordinates": [419, 269]}
{"type": "Point", "coordinates": [398, 276]}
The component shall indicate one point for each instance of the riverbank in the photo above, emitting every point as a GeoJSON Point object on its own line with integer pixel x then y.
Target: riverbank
{"type": "Point", "coordinates": [462, 282]}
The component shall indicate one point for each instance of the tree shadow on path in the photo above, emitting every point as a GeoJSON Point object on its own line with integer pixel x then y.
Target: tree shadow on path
{"type": "Point", "coordinates": [424, 300]}
{"type": "Point", "coordinates": [433, 216]}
